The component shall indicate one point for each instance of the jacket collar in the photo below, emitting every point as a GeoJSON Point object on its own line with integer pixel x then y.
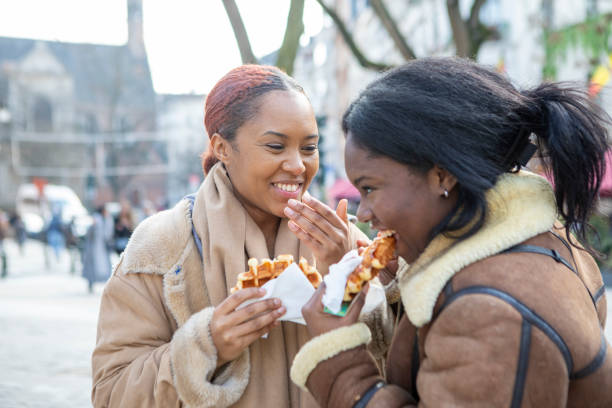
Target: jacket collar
{"type": "Point", "coordinates": [520, 206]}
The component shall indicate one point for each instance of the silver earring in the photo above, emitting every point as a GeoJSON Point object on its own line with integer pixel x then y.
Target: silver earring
{"type": "Point", "coordinates": [445, 194]}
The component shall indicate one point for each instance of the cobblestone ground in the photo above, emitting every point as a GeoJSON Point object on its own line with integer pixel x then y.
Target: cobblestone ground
{"type": "Point", "coordinates": [48, 329]}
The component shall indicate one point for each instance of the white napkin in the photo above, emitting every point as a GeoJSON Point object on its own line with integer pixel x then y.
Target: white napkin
{"type": "Point", "coordinates": [292, 288]}
{"type": "Point", "coordinates": [335, 280]}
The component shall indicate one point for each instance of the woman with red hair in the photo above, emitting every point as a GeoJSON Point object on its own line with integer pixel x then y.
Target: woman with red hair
{"type": "Point", "coordinates": [169, 332]}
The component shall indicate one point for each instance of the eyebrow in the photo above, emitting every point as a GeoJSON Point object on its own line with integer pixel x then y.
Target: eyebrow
{"type": "Point", "coordinates": [284, 136]}
{"type": "Point", "coordinates": [359, 180]}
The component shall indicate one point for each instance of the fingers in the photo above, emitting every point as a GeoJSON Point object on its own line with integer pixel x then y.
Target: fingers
{"type": "Point", "coordinates": [317, 207]}
{"type": "Point", "coordinates": [352, 314]}
{"type": "Point", "coordinates": [234, 300]}
{"type": "Point", "coordinates": [314, 303]}
{"type": "Point", "coordinates": [361, 245]}
{"type": "Point", "coordinates": [321, 227]}
{"type": "Point", "coordinates": [247, 313]}
{"type": "Point", "coordinates": [258, 324]}
{"type": "Point", "coordinates": [341, 210]}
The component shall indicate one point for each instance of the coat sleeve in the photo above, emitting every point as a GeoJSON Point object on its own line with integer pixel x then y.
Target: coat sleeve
{"type": "Point", "coordinates": [140, 360]}
{"type": "Point", "coordinates": [479, 352]}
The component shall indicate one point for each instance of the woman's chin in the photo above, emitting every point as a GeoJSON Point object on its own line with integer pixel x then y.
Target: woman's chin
{"type": "Point", "coordinates": [401, 249]}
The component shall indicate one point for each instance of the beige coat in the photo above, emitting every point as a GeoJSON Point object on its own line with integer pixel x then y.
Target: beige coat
{"type": "Point", "coordinates": [483, 327]}
{"type": "Point", "coordinates": [154, 347]}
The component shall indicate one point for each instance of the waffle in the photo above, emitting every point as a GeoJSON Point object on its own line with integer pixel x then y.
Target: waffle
{"type": "Point", "coordinates": [261, 272]}
{"type": "Point", "coordinates": [375, 257]}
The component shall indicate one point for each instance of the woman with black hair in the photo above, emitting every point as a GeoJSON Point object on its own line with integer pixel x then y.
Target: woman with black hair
{"type": "Point", "coordinates": [500, 306]}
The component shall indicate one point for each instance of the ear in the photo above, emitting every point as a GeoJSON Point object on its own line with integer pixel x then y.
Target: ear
{"type": "Point", "coordinates": [220, 148]}
{"type": "Point", "coordinates": [440, 180]}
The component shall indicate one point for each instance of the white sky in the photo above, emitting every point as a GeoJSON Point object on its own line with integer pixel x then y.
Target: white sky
{"type": "Point", "coordinates": [190, 43]}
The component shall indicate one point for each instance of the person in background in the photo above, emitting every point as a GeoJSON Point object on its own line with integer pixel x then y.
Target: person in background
{"type": "Point", "coordinates": [55, 231]}
{"type": "Point", "coordinates": [124, 225]}
{"type": "Point", "coordinates": [501, 305]}
{"type": "Point", "coordinates": [96, 253]}
{"type": "Point", "coordinates": [72, 244]}
{"type": "Point", "coordinates": [4, 225]}
{"type": "Point", "coordinates": [169, 332]}
{"type": "Point", "coordinates": [18, 226]}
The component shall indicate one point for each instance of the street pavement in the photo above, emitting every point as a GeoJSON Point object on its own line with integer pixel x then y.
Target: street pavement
{"type": "Point", "coordinates": [48, 330]}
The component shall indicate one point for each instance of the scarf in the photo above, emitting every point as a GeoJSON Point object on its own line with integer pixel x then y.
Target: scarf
{"type": "Point", "coordinates": [229, 238]}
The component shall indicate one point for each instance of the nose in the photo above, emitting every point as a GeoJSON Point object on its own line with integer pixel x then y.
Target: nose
{"type": "Point", "coordinates": [294, 164]}
{"type": "Point", "coordinates": [363, 213]}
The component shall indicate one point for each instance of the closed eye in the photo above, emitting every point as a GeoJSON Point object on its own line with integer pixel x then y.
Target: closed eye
{"type": "Point", "coordinates": [310, 148]}
{"type": "Point", "coordinates": [275, 146]}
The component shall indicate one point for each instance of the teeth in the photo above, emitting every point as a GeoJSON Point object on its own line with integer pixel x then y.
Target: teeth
{"type": "Point", "coordinates": [287, 187]}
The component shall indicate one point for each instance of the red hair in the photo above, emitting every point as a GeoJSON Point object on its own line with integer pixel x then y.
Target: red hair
{"type": "Point", "coordinates": [231, 101]}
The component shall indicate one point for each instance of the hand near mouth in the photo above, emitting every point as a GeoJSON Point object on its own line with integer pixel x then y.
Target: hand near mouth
{"type": "Point", "coordinates": [325, 231]}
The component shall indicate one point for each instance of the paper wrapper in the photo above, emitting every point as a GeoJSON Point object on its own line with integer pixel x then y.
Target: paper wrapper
{"type": "Point", "coordinates": [292, 288]}
{"type": "Point", "coordinates": [335, 281]}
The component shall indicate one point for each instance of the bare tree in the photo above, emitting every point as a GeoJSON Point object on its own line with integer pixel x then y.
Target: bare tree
{"type": "Point", "coordinates": [291, 40]}
{"type": "Point", "coordinates": [242, 38]}
{"type": "Point", "coordinates": [468, 34]}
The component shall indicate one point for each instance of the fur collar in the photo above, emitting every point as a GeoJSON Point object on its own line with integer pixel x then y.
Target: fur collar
{"type": "Point", "coordinates": [159, 241]}
{"type": "Point", "coordinates": [520, 206]}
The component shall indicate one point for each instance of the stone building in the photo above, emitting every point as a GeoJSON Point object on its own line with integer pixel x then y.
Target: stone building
{"type": "Point", "coordinates": [81, 115]}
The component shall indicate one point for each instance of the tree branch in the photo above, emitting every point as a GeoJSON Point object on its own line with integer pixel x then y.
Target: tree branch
{"type": "Point", "coordinates": [362, 59]}
{"type": "Point", "coordinates": [398, 39]}
{"type": "Point", "coordinates": [291, 40]}
{"type": "Point", "coordinates": [474, 19]}
{"type": "Point", "coordinates": [246, 53]}
{"type": "Point", "coordinates": [460, 31]}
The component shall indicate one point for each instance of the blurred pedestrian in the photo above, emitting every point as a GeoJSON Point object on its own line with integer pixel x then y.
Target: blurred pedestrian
{"type": "Point", "coordinates": [4, 225]}
{"type": "Point", "coordinates": [72, 244]}
{"type": "Point", "coordinates": [124, 225]}
{"type": "Point", "coordinates": [55, 231]}
{"type": "Point", "coordinates": [98, 243]}
{"type": "Point", "coordinates": [18, 226]}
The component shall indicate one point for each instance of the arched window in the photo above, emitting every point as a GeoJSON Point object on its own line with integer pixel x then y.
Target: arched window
{"type": "Point", "coordinates": [43, 115]}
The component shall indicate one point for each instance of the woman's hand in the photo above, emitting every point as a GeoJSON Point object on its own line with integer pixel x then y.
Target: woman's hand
{"type": "Point", "coordinates": [234, 330]}
{"type": "Point", "coordinates": [319, 322]}
{"type": "Point", "coordinates": [324, 231]}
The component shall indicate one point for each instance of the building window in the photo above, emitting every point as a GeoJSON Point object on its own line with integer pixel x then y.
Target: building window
{"type": "Point", "coordinates": [43, 115]}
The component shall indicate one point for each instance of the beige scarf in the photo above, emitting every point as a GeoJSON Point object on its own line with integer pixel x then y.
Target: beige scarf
{"type": "Point", "coordinates": [229, 238]}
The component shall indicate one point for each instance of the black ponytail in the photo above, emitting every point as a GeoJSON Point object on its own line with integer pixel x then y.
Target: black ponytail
{"type": "Point", "coordinates": [572, 139]}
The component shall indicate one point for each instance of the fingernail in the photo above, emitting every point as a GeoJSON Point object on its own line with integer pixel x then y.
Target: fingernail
{"type": "Point", "coordinates": [281, 311]}
{"type": "Point", "coordinates": [292, 226]}
{"type": "Point", "coordinates": [289, 212]}
{"type": "Point", "coordinates": [262, 290]}
{"type": "Point", "coordinates": [292, 202]}
{"type": "Point", "coordinates": [276, 302]}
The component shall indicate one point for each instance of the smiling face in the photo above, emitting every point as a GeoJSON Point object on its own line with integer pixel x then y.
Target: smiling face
{"type": "Point", "coordinates": [274, 155]}
{"type": "Point", "coordinates": [394, 196]}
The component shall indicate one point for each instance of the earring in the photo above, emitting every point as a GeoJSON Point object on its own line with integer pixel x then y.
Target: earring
{"type": "Point", "coordinates": [445, 194]}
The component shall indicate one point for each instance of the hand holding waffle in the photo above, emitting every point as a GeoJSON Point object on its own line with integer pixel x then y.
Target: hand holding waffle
{"type": "Point", "coordinates": [234, 330]}
{"type": "Point", "coordinates": [293, 284]}
{"type": "Point", "coordinates": [325, 231]}
{"type": "Point", "coordinates": [348, 277]}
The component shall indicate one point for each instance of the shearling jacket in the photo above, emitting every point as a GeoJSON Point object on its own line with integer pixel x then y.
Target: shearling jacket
{"type": "Point", "coordinates": [154, 347]}
{"type": "Point", "coordinates": [512, 316]}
